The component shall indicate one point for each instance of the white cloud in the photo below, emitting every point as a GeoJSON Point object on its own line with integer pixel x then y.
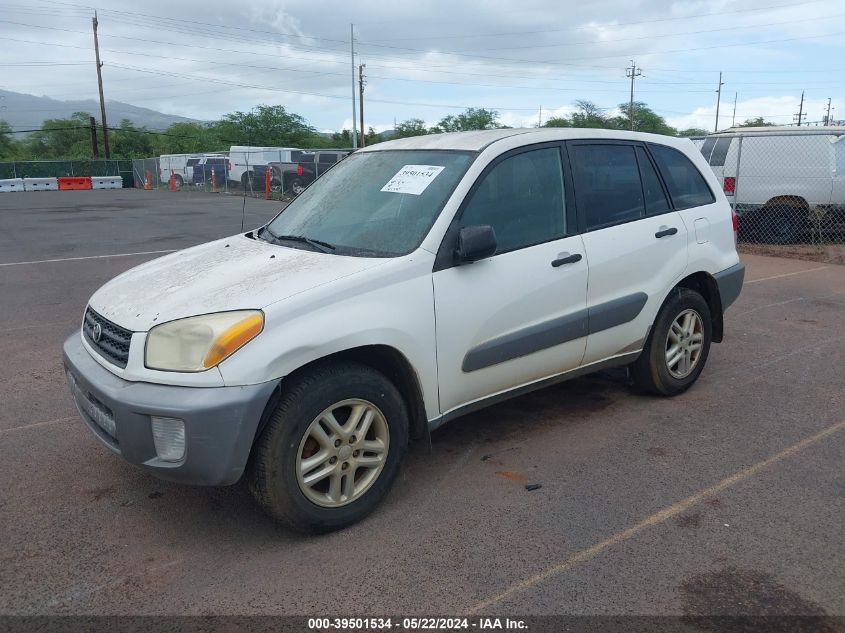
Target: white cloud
{"type": "Point", "coordinates": [779, 110]}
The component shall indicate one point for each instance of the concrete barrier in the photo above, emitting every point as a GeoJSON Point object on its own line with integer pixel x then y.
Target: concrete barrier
{"type": "Point", "coordinates": [11, 184]}
{"type": "Point", "coordinates": [74, 182]}
{"type": "Point", "coordinates": [41, 184]}
{"type": "Point", "coordinates": [106, 182]}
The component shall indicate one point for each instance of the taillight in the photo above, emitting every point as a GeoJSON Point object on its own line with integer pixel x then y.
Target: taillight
{"type": "Point", "coordinates": [729, 186]}
{"type": "Point", "coordinates": [299, 170]}
{"type": "Point", "coordinates": [734, 220]}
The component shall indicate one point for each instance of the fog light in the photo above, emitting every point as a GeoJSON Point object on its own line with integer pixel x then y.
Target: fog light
{"type": "Point", "coordinates": [169, 438]}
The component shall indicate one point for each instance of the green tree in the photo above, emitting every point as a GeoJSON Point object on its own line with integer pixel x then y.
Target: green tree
{"type": "Point", "coordinates": [127, 141]}
{"type": "Point", "coordinates": [558, 121]}
{"type": "Point", "coordinates": [62, 138]}
{"type": "Point", "coordinates": [411, 127]}
{"type": "Point", "coordinates": [265, 125]}
{"type": "Point", "coordinates": [590, 115]}
{"type": "Point", "coordinates": [470, 119]}
{"type": "Point", "coordinates": [187, 137]}
{"type": "Point", "coordinates": [645, 120]}
{"type": "Point", "coordinates": [693, 131]}
{"type": "Point", "coordinates": [757, 122]}
{"type": "Point", "coordinates": [8, 144]}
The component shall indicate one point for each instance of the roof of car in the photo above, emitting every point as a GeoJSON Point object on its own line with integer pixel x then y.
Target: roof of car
{"type": "Point", "coordinates": [783, 129]}
{"type": "Point", "coordinates": [479, 140]}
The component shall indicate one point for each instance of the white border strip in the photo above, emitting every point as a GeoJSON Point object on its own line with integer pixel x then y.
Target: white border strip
{"type": "Point", "coordinates": [76, 259]}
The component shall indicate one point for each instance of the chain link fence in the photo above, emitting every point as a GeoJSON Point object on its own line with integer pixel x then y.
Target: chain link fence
{"type": "Point", "coordinates": [60, 168]}
{"type": "Point", "coordinates": [787, 188]}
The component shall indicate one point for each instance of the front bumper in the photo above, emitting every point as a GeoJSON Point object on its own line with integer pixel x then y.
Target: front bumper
{"type": "Point", "coordinates": [220, 422]}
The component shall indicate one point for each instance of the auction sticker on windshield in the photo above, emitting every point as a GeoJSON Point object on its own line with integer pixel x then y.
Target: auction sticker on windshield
{"type": "Point", "coordinates": [412, 179]}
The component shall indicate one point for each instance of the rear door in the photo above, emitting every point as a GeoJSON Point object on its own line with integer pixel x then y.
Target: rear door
{"type": "Point", "coordinates": [635, 242]}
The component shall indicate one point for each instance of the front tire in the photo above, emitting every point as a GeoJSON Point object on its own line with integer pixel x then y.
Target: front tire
{"type": "Point", "coordinates": [677, 346]}
{"type": "Point", "coordinates": [331, 449]}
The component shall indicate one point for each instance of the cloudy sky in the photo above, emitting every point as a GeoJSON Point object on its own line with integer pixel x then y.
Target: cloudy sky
{"type": "Point", "coordinates": [430, 58]}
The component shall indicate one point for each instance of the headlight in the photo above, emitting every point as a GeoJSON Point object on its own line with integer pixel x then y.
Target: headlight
{"type": "Point", "coordinates": [201, 342]}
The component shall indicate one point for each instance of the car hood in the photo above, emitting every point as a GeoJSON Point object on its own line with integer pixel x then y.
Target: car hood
{"type": "Point", "coordinates": [235, 273]}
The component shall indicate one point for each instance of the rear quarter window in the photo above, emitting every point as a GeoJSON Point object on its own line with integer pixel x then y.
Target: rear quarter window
{"type": "Point", "coordinates": [687, 187]}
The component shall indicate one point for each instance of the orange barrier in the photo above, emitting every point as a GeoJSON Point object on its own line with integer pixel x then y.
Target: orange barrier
{"type": "Point", "coordinates": [172, 181]}
{"type": "Point", "coordinates": [68, 183]}
{"type": "Point", "coordinates": [213, 181]}
{"type": "Point", "coordinates": [148, 181]}
{"type": "Point", "coordinates": [267, 183]}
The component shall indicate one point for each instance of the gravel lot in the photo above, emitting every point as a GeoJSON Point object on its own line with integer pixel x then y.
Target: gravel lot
{"type": "Point", "coordinates": [726, 500]}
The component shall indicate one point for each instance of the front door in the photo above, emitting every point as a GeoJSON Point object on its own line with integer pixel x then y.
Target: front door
{"type": "Point", "coordinates": [518, 316]}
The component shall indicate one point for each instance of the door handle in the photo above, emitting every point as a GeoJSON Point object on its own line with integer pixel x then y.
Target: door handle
{"type": "Point", "coordinates": [663, 232]}
{"type": "Point", "coordinates": [566, 259]}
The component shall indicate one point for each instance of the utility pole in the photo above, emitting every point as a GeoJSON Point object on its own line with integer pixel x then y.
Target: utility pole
{"type": "Point", "coordinates": [354, 113]}
{"type": "Point", "coordinates": [827, 116]}
{"type": "Point", "coordinates": [95, 151]}
{"type": "Point", "coordinates": [361, 98]}
{"type": "Point", "coordinates": [632, 72]}
{"type": "Point", "coordinates": [100, 83]}
{"type": "Point", "coordinates": [733, 118]}
{"type": "Point", "coordinates": [718, 101]}
{"type": "Point", "coordinates": [800, 114]}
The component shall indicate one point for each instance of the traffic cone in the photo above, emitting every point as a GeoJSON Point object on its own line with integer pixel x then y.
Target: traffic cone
{"type": "Point", "coordinates": [267, 183]}
{"type": "Point", "coordinates": [213, 181]}
{"type": "Point", "coordinates": [172, 181]}
{"type": "Point", "coordinates": [147, 182]}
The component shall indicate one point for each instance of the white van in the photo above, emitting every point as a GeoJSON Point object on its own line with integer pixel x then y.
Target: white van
{"type": "Point", "coordinates": [243, 158]}
{"type": "Point", "coordinates": [416, 281]}
{"type": "Point", "coordinates": [788, 178]}
{"type": "Point", "coordinates": [177, 164]}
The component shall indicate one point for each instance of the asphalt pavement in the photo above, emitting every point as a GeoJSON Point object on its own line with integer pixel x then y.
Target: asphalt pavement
{"type": "Point", "coordinates": [728, 499]}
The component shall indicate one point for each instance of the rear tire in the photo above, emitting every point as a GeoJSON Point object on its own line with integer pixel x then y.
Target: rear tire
{"type": "Point", "coordinates": [677, 346]}
{"type": "Point", "coordinates": [297, 187]}
{"type": "Point", "coordinates": [786, 227]}
{"type": "Point", "coordinates": [309, 469]}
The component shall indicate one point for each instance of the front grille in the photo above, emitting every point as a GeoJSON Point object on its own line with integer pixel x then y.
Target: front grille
{"type": "Point", "coordinates": [114, 340]}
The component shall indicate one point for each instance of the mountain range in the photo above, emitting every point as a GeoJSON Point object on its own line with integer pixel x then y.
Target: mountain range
{"type": "Point", "coordinates": [27, 112]}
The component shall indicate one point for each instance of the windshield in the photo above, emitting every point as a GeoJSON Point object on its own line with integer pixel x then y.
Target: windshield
{"type": "Point", "coordinates": [377, 204]}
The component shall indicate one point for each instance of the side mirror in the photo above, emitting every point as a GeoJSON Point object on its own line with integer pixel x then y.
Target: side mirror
{"type": "Point", "coordinates": [476, 242]}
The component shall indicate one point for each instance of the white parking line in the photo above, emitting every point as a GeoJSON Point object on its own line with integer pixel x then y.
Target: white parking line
{"type": "Point", "coordinates": [655, 519]}
{"type": "Point", "coordinates": [74, 259]}
{"type": "Point", "coordinates": [797, 272]}
{"type": "Point", "coordinates": [37, 424]}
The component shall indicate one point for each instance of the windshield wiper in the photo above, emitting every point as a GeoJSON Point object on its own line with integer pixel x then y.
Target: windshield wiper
{"type": "Point", "coordinates": [320, 245]}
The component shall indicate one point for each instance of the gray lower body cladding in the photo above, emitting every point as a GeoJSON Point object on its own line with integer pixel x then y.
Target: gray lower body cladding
{"type": "Point", "coordinates": [729, 282]}
{"type": "Point", "coordinates": [220, 422]}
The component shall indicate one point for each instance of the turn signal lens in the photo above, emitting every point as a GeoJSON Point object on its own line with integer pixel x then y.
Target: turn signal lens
{"type": "Point", "coordinates": [234, 338]}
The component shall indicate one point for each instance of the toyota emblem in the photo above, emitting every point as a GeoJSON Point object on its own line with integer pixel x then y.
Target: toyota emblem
{"type": "Point", "coordinates": [97, 332]}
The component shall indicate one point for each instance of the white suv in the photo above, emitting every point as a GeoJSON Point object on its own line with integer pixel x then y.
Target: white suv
{"type": "Point", "coordinates": [418, 280]}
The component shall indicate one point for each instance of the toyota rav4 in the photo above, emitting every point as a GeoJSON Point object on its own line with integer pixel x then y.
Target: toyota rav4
{"type": "Point", "coordinates": [418, 280]}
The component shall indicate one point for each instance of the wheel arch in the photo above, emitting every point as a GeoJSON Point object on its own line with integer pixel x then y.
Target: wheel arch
{"type": "Point", "coordinates": [705, 284]}
{"type": "Point", "coordinates": [384, 359]}
{"type": "Point", "coordinates": [787, 201]}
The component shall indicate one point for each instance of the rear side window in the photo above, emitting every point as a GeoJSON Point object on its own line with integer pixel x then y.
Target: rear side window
{"type": "Point", "coordinates": [306, 158]}
{"type": "Point", "coordinates": [295, 156]}
{"type": "Point", "coordinates": [707, 147]}
{"type": "Point", "coordinates": [328, 158]}
{"type": "Point", "coordinates": [655, 197]}
{"type": "Point", "coordinates": [687, 186]}
{"type": "Point", "coordinates": [607, 184]}
{"type": "Point", "coordinates": [720, 152]}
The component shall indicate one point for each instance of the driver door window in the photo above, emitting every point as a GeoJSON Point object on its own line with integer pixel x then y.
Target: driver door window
{"type": "Point", "coordinates": [522, 198]}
